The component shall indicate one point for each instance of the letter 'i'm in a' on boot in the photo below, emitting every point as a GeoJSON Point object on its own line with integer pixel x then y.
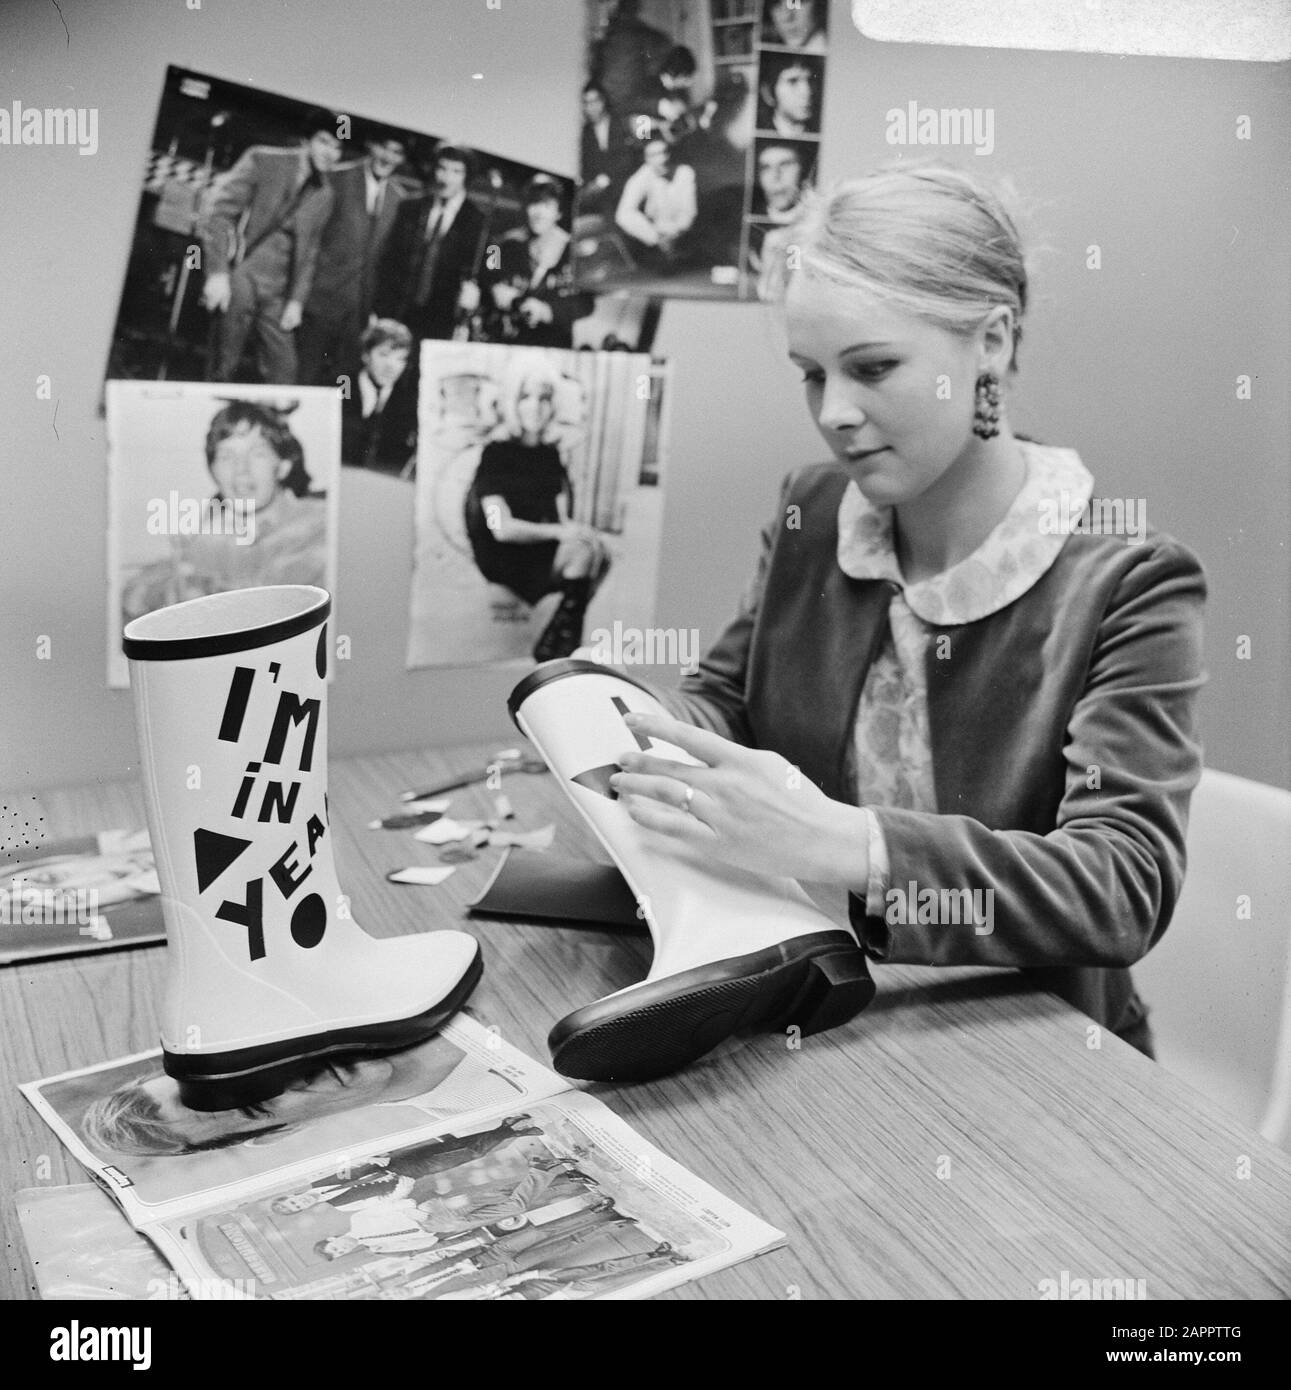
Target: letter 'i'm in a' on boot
{"type": "Point", "coordinates": [268, 978]}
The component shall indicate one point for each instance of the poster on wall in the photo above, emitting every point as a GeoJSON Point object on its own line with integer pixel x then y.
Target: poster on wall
{"type": "Point", "coordinates": [701, 125]}
{"type": "Point", "coordinates": [216, 487]}
{"type": "Point", "coordinates": [538, 501]}
{"type": "Point", "coordinates": [272, 232]}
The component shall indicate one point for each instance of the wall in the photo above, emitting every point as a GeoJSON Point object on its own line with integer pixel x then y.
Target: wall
{"type": "Point", "coordinates": [1133, 364]}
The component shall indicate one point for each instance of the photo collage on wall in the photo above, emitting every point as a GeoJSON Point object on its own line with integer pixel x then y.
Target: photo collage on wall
{"type": "Point", "coordinates": [701, 127]}
{"type": "Point", "coordinates": [288, 263]}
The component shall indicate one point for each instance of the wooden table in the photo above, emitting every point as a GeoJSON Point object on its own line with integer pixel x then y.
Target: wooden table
{"type": "Point", "coordinates": [960, 1139]}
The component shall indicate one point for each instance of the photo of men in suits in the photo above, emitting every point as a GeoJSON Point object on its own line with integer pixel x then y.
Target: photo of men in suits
{"type": "Point", "coordinates": [270, 234]}
{"type": "Point", "coordinates": [432, 250]}
{"type": "Point", "coordinates": [260, 232]}
{"type": "Point", "coordinates": [366, 196]}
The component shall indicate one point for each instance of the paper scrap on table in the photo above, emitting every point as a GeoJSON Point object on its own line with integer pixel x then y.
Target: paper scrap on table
{"type": "Point", "coordinates": [447, 830]}
{"type": "Point", "coordinates": [146, 881]}
{"type": "Point", "coordinates": [433, 803]}
{"type": "Point", "coordinates": [524, 839]}
{"type": "Point", "coordinates": [427, 876]}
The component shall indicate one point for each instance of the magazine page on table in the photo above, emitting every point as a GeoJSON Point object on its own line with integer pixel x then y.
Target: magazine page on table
{"type": "Point", "coordinates": [81, 1246]}
{"type": "Point", "coordinates": [559, 1200]}
{"type": "Point", "coordinates": [78, 895]}
{"type": "Point", "coordinates": [124, 1120]}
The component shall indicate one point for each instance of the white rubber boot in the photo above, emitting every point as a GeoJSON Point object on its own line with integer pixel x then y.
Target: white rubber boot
{"type": "Point", "coordinates": [732, 950]}
{"type": "Point", "coordinates": [268, 976]}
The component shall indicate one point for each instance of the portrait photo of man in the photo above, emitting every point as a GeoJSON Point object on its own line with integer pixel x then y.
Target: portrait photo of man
{"type": "Point", "coordinates": [789, 86]}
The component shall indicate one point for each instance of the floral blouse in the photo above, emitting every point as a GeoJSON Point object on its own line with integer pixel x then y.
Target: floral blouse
{"type": "Point", "coordinates": [891, 744]}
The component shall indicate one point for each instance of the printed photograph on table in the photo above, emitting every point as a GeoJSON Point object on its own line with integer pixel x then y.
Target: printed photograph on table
{"type": "Point", "coordinates": [538, 502]}
{"type": "Point", "coordinates": [548, 1204]}
{"type": "Point", "coordinates": [126, 1122]}
{"type": "Point", "coordinates": [85, 894]}
{"type": "Point", "coordinates": [82, 1246]}
{"type": "Point", "coordinates": [272, 232]}
{"type": "Point", "coordinates": [213, 488]}
{"type": "Point", "coordinates": [679, 100]}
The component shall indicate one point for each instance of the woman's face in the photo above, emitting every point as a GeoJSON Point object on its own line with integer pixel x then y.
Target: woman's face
{"type": "Point", "coordinates": [245, 466]}
{"type": "Point", "coordinates": [891, 395]}
{"type": "Point", "coordinates": [534, 407]}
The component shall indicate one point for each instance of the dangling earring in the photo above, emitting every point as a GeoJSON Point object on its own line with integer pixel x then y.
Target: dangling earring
{"type": "Point", "coordinates": [986, 406]}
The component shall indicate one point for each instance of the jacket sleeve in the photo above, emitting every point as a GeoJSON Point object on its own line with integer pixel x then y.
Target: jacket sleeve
{"type": "Point", "coordinates": [228, 200]}
{"type": "Point", "coordinates": [713, 698]}
{"type": "Point", "coordinates": [309, 245]}
{"type": "Point", "coordinates": [1100, 888]}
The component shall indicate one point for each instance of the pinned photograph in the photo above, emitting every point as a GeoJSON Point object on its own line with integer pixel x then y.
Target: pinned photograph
{"type": "Point", "coordinates": [272, 233]}
{"type": "Point", "coordinates": [785, 169]}
{"type": "Point", "coordinates": [213, 488]}
{"type": "Point", "coordinates": [127, 1122]}
{"type": "Point", "coordinates": [538, 500]}
{"type": "Point", "coordinates": [555, 1201]}
{"type": "Point", "coordinates": [670, 200]}
{"type": "Point", "coordinates": [84, 894]}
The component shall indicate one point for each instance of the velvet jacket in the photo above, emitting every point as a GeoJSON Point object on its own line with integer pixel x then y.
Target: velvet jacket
{"type": "Point", "coordinates": [1064, 742]}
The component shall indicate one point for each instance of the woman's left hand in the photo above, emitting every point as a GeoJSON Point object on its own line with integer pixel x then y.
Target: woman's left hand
{"type": "Point", "coordinates": [748, 807]}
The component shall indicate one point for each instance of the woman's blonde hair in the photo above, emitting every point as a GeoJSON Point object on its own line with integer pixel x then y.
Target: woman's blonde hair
{"type": "Point", "coordinates": [929, 240]}
{"type": "Point", "coordinates": [528, 370]}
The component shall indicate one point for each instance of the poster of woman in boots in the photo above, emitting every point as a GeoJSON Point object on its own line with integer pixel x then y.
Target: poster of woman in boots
{"type": "Point", "coordinates": [215, 488]}
{"type": "Point", "coordinates": [538, 501]}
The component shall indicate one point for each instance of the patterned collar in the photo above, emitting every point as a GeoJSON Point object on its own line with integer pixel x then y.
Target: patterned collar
{"type": "Point", "coordinates": [1006, 564]}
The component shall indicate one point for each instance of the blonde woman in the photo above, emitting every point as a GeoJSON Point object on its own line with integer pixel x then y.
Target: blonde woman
{"type": "Point", "coordinates": [520, 509]}
{"type": "Point", "coordinates": [979, 725]}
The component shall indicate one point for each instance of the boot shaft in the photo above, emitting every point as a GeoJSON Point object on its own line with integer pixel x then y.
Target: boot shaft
{"type": "Point", "coordinates": [231, 716]}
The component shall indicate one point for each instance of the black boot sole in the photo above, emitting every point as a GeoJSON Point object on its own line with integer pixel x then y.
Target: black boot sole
{"type": "Point", "coordinates": [251, 1075]}
{"type": "Point", "coordinates": [812, 982]}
